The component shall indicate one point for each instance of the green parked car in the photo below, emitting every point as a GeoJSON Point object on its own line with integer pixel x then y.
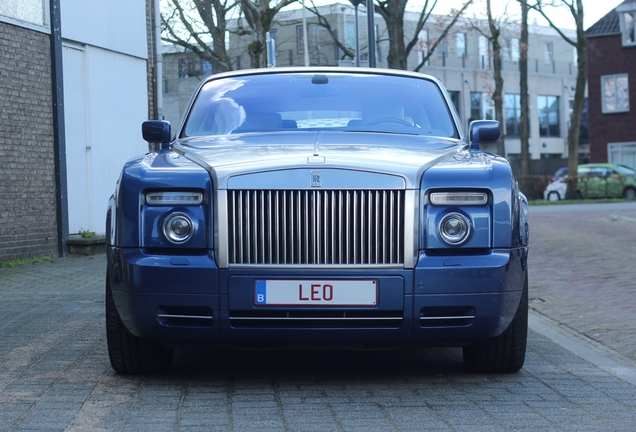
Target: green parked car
{"type": "Point", "coordinates": [601, 180]}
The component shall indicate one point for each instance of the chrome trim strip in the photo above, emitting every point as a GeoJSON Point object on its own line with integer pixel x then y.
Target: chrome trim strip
{"type": "Point", "coordinates": [205, 317]}
{"type": "Point", "coordinates": [221, 235]}
{"type": "Point", "coordinates": [447, 318]}
{"type": "Point", "coordinates": [319, 266]}
{"type": "Point", "coordinates": [411, 227]}
{"type": "Point", "coordinates": [316, 318]}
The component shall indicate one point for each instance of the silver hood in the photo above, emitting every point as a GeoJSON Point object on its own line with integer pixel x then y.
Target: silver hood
{"type": "Point", "coordinates": [390, 155]}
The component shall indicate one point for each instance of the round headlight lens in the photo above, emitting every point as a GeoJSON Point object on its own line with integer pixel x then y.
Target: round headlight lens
{"type": "Point", "coordinates": [178, 228]}
{"type": "Point", "coordinates": [454, 228]}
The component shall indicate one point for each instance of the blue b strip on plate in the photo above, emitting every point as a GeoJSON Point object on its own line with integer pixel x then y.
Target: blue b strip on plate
{"type": "Point", "coordinates": [260, 297]}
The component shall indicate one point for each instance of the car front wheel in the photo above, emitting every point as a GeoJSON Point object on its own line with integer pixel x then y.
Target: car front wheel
{"type": "Point", "coordinates": [130, 354]}
{"type": "Point", "coordinates": [505, 353]}
{"type": "Point", "coordinates": [553, 196]}
{"type": "Point", "coordinates": [630, 193]}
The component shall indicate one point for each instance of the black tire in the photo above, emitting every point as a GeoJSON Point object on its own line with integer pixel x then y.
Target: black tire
{"type": "Point", "coordinates": [129, 354]}
{"type": "Point", "coordinates": [630, 193]}
{"type": "Point", "coordinates": [505, 353]}
{"type": "Point", "coordinates": [554, 196]}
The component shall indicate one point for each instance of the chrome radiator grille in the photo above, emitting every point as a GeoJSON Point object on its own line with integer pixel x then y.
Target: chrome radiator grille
{"type": "Point", "coordinates": [316, 227]}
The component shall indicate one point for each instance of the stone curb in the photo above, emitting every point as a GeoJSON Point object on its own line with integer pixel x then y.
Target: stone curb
{"type": "Point", "coordinates": [584, 347]}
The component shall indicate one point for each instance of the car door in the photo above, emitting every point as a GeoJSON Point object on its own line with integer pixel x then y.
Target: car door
{"type": "Point", "coordinates": [586, 182]}
{"type": "Point", "coordinates": [615, 183]}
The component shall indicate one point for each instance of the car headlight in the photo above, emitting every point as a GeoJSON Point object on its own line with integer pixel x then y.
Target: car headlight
{"type": "Point", "coordinates": [459, 198]}
{"type": "Point", "coordinates": [454, 229]}
{"type": "Point", "coordinates": [178, 228]}
{"type": "Point", "coordinates": [174, 198]}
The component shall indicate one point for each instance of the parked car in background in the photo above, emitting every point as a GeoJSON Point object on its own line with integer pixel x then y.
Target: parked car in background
{"type": "Point", "coordinates": [318, 208]}
{"type": "Point", "coordinates": [560, 173]}
{"type": "Point", "coordinates": [597, 181]}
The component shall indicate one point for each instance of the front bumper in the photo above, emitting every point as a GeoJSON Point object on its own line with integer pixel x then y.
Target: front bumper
{"type": "Point", "coordinates": [444, 301]}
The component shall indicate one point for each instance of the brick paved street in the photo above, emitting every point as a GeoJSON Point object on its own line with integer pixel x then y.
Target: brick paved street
{"type": "Point", "coordinates": [55, 374]}
{"type": "Point", "coordinates": [583, 271]}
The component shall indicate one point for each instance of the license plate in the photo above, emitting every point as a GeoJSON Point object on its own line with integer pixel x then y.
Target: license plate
{"type": "Point", "coordinates": [316, 292]}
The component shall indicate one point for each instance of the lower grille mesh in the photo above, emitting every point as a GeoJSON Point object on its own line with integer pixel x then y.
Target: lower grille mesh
{"type": "Point", "coordinates": [316, 319]}
{"type": "Point", "coordinates": [308, 227]}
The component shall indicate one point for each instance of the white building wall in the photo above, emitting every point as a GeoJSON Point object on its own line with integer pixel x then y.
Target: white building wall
{"type": "Point", "coordinates": [106, 100]}
{"type": "Point", "coordinates": [116, 25]}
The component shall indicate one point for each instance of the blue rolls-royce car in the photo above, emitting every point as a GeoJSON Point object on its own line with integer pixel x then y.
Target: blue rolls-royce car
{"type": "Point", "coordinates": [317, 208]}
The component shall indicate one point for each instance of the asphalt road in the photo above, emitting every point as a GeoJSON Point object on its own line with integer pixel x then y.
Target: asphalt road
{"type": "Point", "coordinates": [55, 374]}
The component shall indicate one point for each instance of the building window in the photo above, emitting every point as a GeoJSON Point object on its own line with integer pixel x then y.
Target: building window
{"type": "Point", "coordinates": [454, 95]}
{"type": "Point", "coordinates": [460, 44]}
{"type": "Point", "coordinates": [422, 46]}
{"type": "Point", "coordinates": [627, 28]}
{"type": "Point", "coordinates": [206, 68]}
{"type": "Point", "coordinates": [484, 52]}
{"type": "Point", "coordinates": [482, 107]}
{"type": "Point", "coordinates": [443, 47]}
{"type": "Point", "coordinates": [321, 46]}
{"type": "Point", "coordinates": [512, 113]}
{"type": "Point", "coordinates": [30, 11]}
{"type": "Point", "coordinates": [192, 66]}
{"type": "Point", "coordinates": [350, 35]}
{"type": "Point", "coordinates": [300, 47]}
{"type": "Point", "coordinates": [549, 123]}
{"type": "Point", "coordinates": [548, 57]}
{"type": "Point", "coordinates": [511, 49]}
{"type": "Point", "coordinates": [615, 93]}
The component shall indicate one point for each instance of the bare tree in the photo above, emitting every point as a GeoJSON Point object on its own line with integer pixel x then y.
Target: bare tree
{"type": "Point", "coordinates": [575, 7]}
{"type": "Point", "coordinates": [324, 22]}
{"type": "Point", "coordinates": [392, 11]}
{"type": "Point", "coordinates": [523, 86]}
{"type": "Point", "coordinates": [493, 34]}
{"type": "Point", "coordinates": [259, 15]}
{"type": "Point", "coordinates": [199, 26]}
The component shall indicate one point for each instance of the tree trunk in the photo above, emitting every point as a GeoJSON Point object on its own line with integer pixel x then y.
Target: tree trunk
{"type": "Point", "coordinates": [497, 95]}
{"type": "Point", "coordinates": [393, 14]}
{"type": "Point", "coordinates": [579, 101]}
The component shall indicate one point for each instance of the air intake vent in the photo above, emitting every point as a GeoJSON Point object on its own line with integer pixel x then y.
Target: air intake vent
{"type": "Point", "coordinates": [316, 227]}
{"type": "Point", "coordinates": [447, 316]}
{"type": "Point", "coordinates": [316, 319]}
{"type": "Point", "coordinates": [185, 316]}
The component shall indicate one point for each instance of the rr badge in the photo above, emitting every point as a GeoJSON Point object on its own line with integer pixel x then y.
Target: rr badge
{"type": "Point", "coordinates": [316, 180]}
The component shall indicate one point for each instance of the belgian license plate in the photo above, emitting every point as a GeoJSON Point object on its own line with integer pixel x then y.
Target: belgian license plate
{"type": "Point", "coordinates": [281, 292]}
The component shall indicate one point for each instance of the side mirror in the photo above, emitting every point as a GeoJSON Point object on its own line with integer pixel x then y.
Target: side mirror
{"type": "Point", "coordinates": [483, 131]}
{"type": "Point", "coordinates": [156, 131]}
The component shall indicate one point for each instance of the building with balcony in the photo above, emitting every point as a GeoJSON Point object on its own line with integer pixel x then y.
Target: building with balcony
{"type": "Point", "coordinates": [462, 60]}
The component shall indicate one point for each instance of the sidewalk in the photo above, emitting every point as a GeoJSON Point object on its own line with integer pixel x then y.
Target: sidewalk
{"type": "Point", "coordinates": [583, 271]}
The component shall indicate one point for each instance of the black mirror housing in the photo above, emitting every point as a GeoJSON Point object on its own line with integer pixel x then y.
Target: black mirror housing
{"type": "Point", "coordinates": [483, 131]}
{"type": "Point", "coordinates": [157, 131]}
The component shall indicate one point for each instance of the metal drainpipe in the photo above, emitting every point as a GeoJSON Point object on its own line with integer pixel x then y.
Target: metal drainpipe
{"type": "Point", "coordinates": [59, 131]}
{"type": "Point", "coordinates": [305, 35]}
{"type": "Point", "coordinates": [371, 32]}
{"type": "Point", "coordinates": [159, 63]}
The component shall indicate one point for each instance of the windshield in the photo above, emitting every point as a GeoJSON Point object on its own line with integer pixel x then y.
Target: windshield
{"type": "Point", "coordinates": [622, 169]}
{"type": "Point", "coordinates": [315, 101]}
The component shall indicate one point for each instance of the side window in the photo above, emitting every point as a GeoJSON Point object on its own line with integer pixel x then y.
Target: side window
{"type": "Point", "coordinates": [512, 113]}
{"type": "Point", "coordinates": [628, 28]}
{"type": "Point", "coordinates": [460, 44]}
{"type": "Point", "coordinates": [615, 93]}
{"type": "Point", "coordinates": [549, 53]}
{"type": "Point", "coordinates": [549, 116]}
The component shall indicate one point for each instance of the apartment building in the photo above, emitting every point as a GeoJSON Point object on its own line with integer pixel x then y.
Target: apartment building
{"type": "Point", "coordinates": [462, 60]}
